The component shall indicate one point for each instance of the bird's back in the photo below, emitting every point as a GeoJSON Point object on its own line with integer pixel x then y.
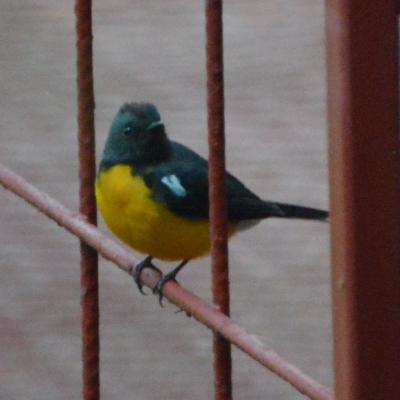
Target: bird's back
{"type": "Point", "coordinates": [242, 203]}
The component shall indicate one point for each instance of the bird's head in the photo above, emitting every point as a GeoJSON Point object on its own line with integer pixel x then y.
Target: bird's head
{"type": "Point", "coordinates": [137, 137]}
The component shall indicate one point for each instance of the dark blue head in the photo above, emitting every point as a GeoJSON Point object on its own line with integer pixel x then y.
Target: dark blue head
{"type": "Point", "coordinates": [136, 137]}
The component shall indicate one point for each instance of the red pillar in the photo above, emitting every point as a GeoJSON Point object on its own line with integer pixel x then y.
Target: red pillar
{"type": "Point", "coordinates": [362, 65]}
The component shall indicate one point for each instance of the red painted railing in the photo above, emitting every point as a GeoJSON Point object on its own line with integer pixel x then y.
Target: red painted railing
{"type": "Point", "coordinates": [218, 215]}
{"type": "Point", "coordinates": [87, 176]}
{"type": "Point", "coordinates": [365, 182]}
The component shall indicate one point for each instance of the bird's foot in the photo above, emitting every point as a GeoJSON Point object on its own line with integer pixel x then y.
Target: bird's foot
{"type": "Point", "coordinates": [158, 288]}
{"type": "Point", "coordinates": [146, 263]}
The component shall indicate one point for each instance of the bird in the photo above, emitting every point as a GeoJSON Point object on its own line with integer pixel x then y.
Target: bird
{"type": "Point", "coordinates": [152, 193]}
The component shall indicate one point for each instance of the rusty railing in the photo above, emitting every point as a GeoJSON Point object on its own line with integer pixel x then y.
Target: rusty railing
{"type": "Point", "coordinates": [364, 165]}
{"type": "Point", "coordinates": [218, 214]}
{"type": "Point", "coordinates": [87, 176]}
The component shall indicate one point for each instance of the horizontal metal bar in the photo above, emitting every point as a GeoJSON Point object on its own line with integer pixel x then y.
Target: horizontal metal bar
{"type": "Point", "coordinates": [208, 315]}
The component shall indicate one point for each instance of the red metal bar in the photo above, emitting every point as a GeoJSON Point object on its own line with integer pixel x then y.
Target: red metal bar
{"type": "Point", "coordinates": [363, 112]}
{"type": "Point", "coordinates": [208, 315]}
{"type": "Point", "coordinates": [217, 192]}
{"type": "Point", "coordinates": [87, 175]}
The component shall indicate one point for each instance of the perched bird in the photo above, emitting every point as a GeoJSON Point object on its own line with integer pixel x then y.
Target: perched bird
{"type": "Point", "coordinates": [153, 193]}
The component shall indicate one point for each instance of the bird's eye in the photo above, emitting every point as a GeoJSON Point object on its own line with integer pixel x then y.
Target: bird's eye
{"type": "Point", "coordinates": [127, 130]}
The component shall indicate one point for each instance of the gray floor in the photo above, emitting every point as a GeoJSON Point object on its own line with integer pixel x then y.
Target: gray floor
{"type": "Point", "coordinates": [276, 143]}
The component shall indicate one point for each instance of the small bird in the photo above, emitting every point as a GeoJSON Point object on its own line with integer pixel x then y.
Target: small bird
{"type": "Point", "coordinates": [153, 193]}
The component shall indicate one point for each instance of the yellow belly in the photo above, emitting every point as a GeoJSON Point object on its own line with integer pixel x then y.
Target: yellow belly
{"type": "Point", "coordinates": [129, 211]}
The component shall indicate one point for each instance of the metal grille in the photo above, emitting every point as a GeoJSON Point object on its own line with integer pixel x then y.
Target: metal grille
{"type": "Point", "coordinates": [364, 160]}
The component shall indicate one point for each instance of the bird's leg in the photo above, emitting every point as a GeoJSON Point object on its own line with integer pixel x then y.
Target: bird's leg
{"type": "Point", "coordinates": [146, 263]}
{"type": "Point", "coordinates": [165, 278]}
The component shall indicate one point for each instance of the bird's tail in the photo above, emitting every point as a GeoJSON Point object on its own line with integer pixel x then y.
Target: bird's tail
{"type": "Point", "coordinates": [292, 211]}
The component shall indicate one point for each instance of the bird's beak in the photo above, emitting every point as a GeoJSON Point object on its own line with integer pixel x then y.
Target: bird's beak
{"type": "Point", "coordinates": [154, 125]}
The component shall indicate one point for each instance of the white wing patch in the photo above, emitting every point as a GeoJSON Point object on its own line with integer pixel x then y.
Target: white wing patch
{"type": "Point", "coordinates": [173, 183]}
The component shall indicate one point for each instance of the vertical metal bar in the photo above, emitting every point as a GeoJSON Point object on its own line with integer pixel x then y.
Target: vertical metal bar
{"type": "Point", "coordinates": [218, 214]}
{"type": "Point", "coordinates": [362, 50]}
{"type": "Point", "coordinates": [87, 175]}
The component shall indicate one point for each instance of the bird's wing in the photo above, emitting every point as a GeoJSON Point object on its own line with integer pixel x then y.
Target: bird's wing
{"type": "Point", "coordinates": [182, 186]}
{"type": "Point", "coordinates": [243, 204]}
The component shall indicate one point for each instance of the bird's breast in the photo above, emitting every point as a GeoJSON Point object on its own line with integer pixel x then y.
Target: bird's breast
{"type": "Point", "coordinates": [130, 211]}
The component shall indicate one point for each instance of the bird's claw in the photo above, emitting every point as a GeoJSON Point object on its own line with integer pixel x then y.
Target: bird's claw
{"type": "Point", "coordinates": [171, 276]}
{"type": "Point", "coordinates": [158, 288]}
{"type": "Point", "coordinates": [137, 271]}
